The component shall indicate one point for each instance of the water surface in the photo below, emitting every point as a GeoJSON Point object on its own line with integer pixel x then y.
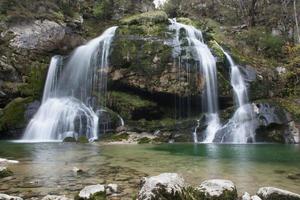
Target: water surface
{"type": "Point", "coordinates": [47, 167]}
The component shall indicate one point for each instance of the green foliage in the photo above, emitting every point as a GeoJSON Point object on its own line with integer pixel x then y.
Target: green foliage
{"type": "Point", "coordinates": [120, 137]}
{"type": "Point", "coordinates": [264, 42]}
{"type": "Point", "coordinates": [144, 140]}
{"type": "Point", "coordinates": [103, 9]}
{"type": "Point", "coordinates": [152, 17]}
{"type": "Point", "coordinates": [13, 113]}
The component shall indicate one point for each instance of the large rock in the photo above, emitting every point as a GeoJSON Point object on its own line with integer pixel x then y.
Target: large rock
{"type": "Point", "coordinates": [91, 192]}
{"type": "Point", "coordinates": [38, 35]}
{"type": "Point", "coordinates": [5, 172]}
{"type": "Point", "coordinates": [274, 124]}
{"type": "Point", "coordinates": [55, 197]}
{"type": "Point", "coordinates": [163, 186]}
{"type": "Point", "coordinates": [7, 197]}
{"type": "Point", "coordinates": [218, 189]}
{"type": "Point", "coordinates": [272, 193]}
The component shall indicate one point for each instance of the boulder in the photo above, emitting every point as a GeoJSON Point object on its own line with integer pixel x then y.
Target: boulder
{"type": "Point", "coordinates": [5, 172]}
{"type": "Point", "coordinates": [55, 197]}
{"type": "Point", "coordinates": [218, 189]}
{"type": "Point", "coordinates": [163, 186]}
{"type": "Point", "coordinates": [38, 35]}
{"type": "Point", "coordinates": [7, 197]}
{"type": "Point", "coordinates": [111, 189]}
{"type": "Point", "coordinates": [91, 192]}
{"type": "Point", "coordinates": [272, 193]}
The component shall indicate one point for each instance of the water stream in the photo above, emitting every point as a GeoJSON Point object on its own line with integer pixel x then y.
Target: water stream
{"type": "Point", "coordinates": [192, 44]}
{"type": "Point", "coordinates": [69, 106]}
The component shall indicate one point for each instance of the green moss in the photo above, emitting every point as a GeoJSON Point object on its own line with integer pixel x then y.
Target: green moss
{"type": "Point", "coordinates": [120, 137]}
{"type": "Point", "coordinates": [35, 81]}
{"type": "Point", "coordinates": [151, 17]}
{"type": "Point", "coordinates": [5, 173]}
{"type": "Point", "coordinates": [214, 46]}
{"type": "Point", "coordinates": [82, 139]}
{"type": "Point", "coordinates": [13, 114]}
{"type": "Point", "coordinates": [144, 140]}
{"type": "Point", "coordinates": [126, 104]}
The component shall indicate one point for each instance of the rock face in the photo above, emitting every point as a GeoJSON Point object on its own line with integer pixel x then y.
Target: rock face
{"type": "Point", "coordinates": [7, 197]}
{"type": "Point", "coordinates": [274, 124]}
{"type": "Point", "coordinates": [38, 35]}
{"type": "Point", "coordinates": [218, 189]}
{"type": "Point", "coordinates": [271, 193]}
{"type": "Point", "coordinates": [163, 186]}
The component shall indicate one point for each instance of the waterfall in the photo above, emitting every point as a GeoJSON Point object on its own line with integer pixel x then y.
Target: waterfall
{"type": "Point", "coordinates": [206, 65]}
{"type": "Point", "coordinates": [69, 106]}
{"type": "Point", "coordinates": [240, 126]}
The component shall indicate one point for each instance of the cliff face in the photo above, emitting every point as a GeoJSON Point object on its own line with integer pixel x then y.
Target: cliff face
{"type": "Point", "coordinates": [147, 87]}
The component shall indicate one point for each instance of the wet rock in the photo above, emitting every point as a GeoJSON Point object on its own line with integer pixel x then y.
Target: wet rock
{"type": "Point", "coordinates": [77, 170]}
{"type": "Point", "coordinates": [246, 196]}
{"type": "Point", "coordinates": [69, 139]}
{"type": "Point", "coordinates": [5, 172]}
{"type": "Point", "coordinates": [7, 197]}
{"type": "Point", "coordinates": [55, 197]}
{"type": "Point", "coordinates": [218, 189]}
{"type": "Point", "coordinates": [271, 193]}
{"type": "Point", "coordinates": [255, 197]}
{"type": "Point", "coordinates": [166, 185]}
{"type": "Point", "coordinates": [31, 109]}
{"type": "Point", "coordinates": [274, 124]}
{"type": "Point", "coordinates": [90, 192]}
{"type": "Point", "coordinates": [111, 189]}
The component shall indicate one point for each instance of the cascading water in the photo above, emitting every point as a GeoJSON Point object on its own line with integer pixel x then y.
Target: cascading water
{"type": "Point", "coordinates": [69, 106]}
{"type": "Point", "coordinates": [240, 126]}
{"type": "Point", "coordinates": [206, 64]}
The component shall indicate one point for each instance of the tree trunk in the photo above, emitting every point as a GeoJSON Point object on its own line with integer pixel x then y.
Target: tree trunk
{"type": "Point", "coordinates": [296, 23]}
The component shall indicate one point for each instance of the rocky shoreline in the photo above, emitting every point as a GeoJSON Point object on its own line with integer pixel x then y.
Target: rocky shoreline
{"type": "Point", "coordinates": [173, 186]}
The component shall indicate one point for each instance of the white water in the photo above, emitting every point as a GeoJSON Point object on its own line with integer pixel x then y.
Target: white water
{"type": "Point", "coordinates": [241, 123]}
{"type": "Point", "coordinates": [207, 66]}
{"type": "Point", "coordinates": [68, 105]}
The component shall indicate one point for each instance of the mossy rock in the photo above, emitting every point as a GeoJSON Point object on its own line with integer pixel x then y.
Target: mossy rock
{"type": "Point", "coordinates": [129, 105]}
{"type": "Point", "coordinates": [13, 114]}
{"type": "Point", "coordinates": [5, 172]}
{"type": "Point", "coordinates": [144, 140]}
{"type": "Point", "coordinates": [151, 17]}
{"type": "Point", "coordinates": [115, 137]}
{"type": "Point", "coordinates": [83, 140]}
{"type": "Point", "coordinates": [69, 139]}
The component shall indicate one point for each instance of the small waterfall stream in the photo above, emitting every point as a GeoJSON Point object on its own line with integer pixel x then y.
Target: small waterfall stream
{"type": "Point", "coordinates": [206, 65]}
{"type": "Point", "coordinates": [240, 128]}
{"type": "Point", "coordinates": [69, 106]}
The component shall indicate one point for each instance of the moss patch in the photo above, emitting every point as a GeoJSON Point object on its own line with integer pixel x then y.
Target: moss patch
{"type": "Point", "coordinates": [152, 17]}
{"type": "Point", "coordinates": [5, 172]}
{"type": "Point", "coordinates": [144, 140]}
{"type": "Point", "coordinates": [13, 114]}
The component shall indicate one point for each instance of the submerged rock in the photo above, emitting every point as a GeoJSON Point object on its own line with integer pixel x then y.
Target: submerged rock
{"type": "Point", "coordinates": [163, 186]}
{"type": "Point", "coordinates": [7, 197]}
{"type": "Point", "coordinates": [92, 192]}
{"type": "Point", "coordinates": [218, 189]}
{"type": "Point", "coordinates": [5, 172]}
{"type": "Point", "coordinates": [272, 193]}
{"type": "Point", "coordinates": [55, 197]}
